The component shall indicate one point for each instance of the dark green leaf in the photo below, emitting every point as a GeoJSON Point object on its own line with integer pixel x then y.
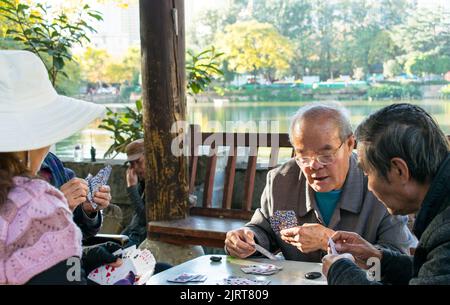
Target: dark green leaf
{"type": "Point", "coordinates": [58, 62]}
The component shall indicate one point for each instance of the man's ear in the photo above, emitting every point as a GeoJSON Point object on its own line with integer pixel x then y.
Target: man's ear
{"type": "Point", "coordinates": [351, 143]}
{"type": "Point", "coordinates": [399, 170]}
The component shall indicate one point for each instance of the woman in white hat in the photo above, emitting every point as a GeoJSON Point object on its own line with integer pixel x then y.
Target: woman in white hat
{"type": "Point", "coordinates": [37, 233]}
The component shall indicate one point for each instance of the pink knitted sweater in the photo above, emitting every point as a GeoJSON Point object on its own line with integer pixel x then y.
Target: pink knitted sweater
{"type": "Point", "coordinates": [36, 231]}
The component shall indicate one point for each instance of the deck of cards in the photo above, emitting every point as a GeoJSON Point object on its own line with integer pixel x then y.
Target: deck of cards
{"type": "Point", "coordinates": [261, 269]}
{"type": "Point", "coordinates": [188, 277]}
{"type": "Point", "coordinates": [140, 263]}
{"type": "Point", "coordinates": [235, 280]}
{"type": "Point", "coordinates": [97, 181]}
{"type": "Point", "coordinates": [283, 220]}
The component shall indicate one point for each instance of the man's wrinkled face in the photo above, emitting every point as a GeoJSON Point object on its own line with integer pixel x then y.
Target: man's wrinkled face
{"type": "Point", "coordinates": [139, 166]}
{"type": "Point", "coordinates": [390, 191]}
{"type": "Point", "coordinates": [316, 140]}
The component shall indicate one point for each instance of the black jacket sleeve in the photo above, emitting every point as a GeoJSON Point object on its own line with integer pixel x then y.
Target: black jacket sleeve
{"type": "Point", "coordinates": [346, 272]}
{"type": "Point", "coordinates": [134, 193]}
{"type": "Point", "coordinates": [396, 268]}
{"type": "Point", "coordinates": [88, 226]}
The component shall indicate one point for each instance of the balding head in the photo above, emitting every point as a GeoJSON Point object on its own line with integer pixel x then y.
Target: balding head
{"type": "Point", "coordinates": [314, 114]}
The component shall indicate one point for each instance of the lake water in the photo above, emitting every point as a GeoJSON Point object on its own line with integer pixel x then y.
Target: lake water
{"type": "Point", "coordinates": [257, 112]}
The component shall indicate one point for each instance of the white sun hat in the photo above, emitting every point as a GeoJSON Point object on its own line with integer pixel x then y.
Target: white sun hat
{"type": "Point", "coordinates": [32, 114]}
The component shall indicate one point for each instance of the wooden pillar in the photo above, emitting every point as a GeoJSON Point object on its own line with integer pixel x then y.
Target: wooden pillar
{"type": "Point", "coordinates": [164, 103]}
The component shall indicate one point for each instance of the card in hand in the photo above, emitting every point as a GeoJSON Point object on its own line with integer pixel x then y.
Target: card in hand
{"type": "Point", "coordinates": [97, 181]}
{"type": "Point", "coordinates": [332, 246]}
{"type": "Point", "coordinates": [143, 261]}
{"type": "Point", "coordinates": [283, 220]}
{"type": "Point", "coordinates": [96, 276]}
{"type": "Point", "coordinates": [108, 275]}
{"type": "Point", "coordinates": [140, 262]}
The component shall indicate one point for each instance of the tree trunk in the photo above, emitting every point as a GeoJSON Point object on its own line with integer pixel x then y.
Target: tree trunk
{"type": "Point", "coordinates": [164, 103]}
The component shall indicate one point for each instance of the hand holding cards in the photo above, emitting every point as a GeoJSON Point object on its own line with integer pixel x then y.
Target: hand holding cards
{"type": "Point", "coordinates": [97, 181]}
{"type": "Point", "coordinates": [137, 264]}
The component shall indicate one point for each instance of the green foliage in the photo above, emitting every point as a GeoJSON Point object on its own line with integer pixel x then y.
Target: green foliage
{"type": "Point", "coordinates": [292, 93]}
{"type": "Point", "coordinates": [93, 64]}
{"type": "Point", "coordinates": [252, 47]}
{"type": "Point", "coordinates": [49, 38]}
{"type": "Point", "coordinates": [201, 68]}
{"type": "Point", "coordinates": [422, 64]}
{"type": "Point", "coordinates": [424, 31]}
{"type": "Point", "coordinates": [328, 38]}
{"type": "Point", "coordinates": [394, 92]}
{"type": "Point", "coordinates": [70, 85]}
{"type": "Point", "coordinates": [126, 127]}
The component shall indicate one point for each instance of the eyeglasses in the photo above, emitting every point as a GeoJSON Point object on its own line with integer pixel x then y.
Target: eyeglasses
{"type": "Point", "coordinates": [325, 159]}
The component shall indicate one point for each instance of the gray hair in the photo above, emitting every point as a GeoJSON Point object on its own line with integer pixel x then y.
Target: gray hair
{"type": "Point", "coordinates": [405, 131]}
{"type": "Point", "coordinates": [332, 109]}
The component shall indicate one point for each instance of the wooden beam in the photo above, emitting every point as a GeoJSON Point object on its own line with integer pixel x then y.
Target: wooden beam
{"type": "Point", "coordinates": [163, 97]}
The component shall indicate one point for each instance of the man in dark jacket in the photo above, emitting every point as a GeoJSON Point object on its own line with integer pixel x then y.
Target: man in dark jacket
{"type": "Point", "coordinates": [406, 158]}
{"type": "Point", "coordinates": [136, 229]}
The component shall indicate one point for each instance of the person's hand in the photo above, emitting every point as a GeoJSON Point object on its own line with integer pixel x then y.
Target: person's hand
{"type": "Point", "coordinates": [102, 198]}
{"type": "Point", "coordinates": [330, 259]}
{"type": "Point", "coordinates": [362, 250]}
{"type": "Point", "coordinates": [132, 178]}
{"type": "Point", "coordinates": [308, 238]}
{"type": "Point", "coordinates": [99, 255]}
{"type": "Point", "coordinates": [240, 243]}
{"type": "Point", "coordinates": [75, 191]}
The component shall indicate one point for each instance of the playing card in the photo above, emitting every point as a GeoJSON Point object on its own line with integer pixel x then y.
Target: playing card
{"type": "Point", "coordinates": [140, 262]}
{"type": "Point", "coordinates": [283, 220]}
{"type": "Point", "coordinates": [94, 183]}
{"type": "Point", "coordinates": [125, 253]}
{"type": "Point", "coordinates": [95, 275]}
{"type": "Point", "coordinates": [265, 252]}
{"type": "Point", "coordinates": [143, 279]}
{"type": "Point", "coordinates": [112, 275]}
{"type": "Point", "coordinates": [143, 261]}
{"type": "Point", "coordinates": [262, 269]}
{"type": "Point", "coordinates": [332, 246]}
{"type": "Point", "coordinates": [182, 278]}
{"type": "Point", "coordinates": [198, 278]}
{"type": "Point", "coordinates": [235, 280]}
{"type": "Point", "coordinates": [108, 275]}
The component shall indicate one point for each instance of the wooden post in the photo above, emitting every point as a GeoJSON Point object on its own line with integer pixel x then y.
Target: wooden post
{"type": "Point", "coordinates": [164, 103]}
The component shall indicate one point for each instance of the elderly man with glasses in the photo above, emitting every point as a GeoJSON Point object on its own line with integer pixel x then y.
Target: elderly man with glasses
{"type": "Point", "coordinates": [325, 188]}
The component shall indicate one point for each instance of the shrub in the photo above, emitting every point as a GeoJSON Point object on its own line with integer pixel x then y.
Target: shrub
{"type": "Point", "coordinates": [394, 92]}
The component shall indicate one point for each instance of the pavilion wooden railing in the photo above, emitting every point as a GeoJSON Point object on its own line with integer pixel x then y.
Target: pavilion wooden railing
{"type": "Point", "coordinates": [206, 225]}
